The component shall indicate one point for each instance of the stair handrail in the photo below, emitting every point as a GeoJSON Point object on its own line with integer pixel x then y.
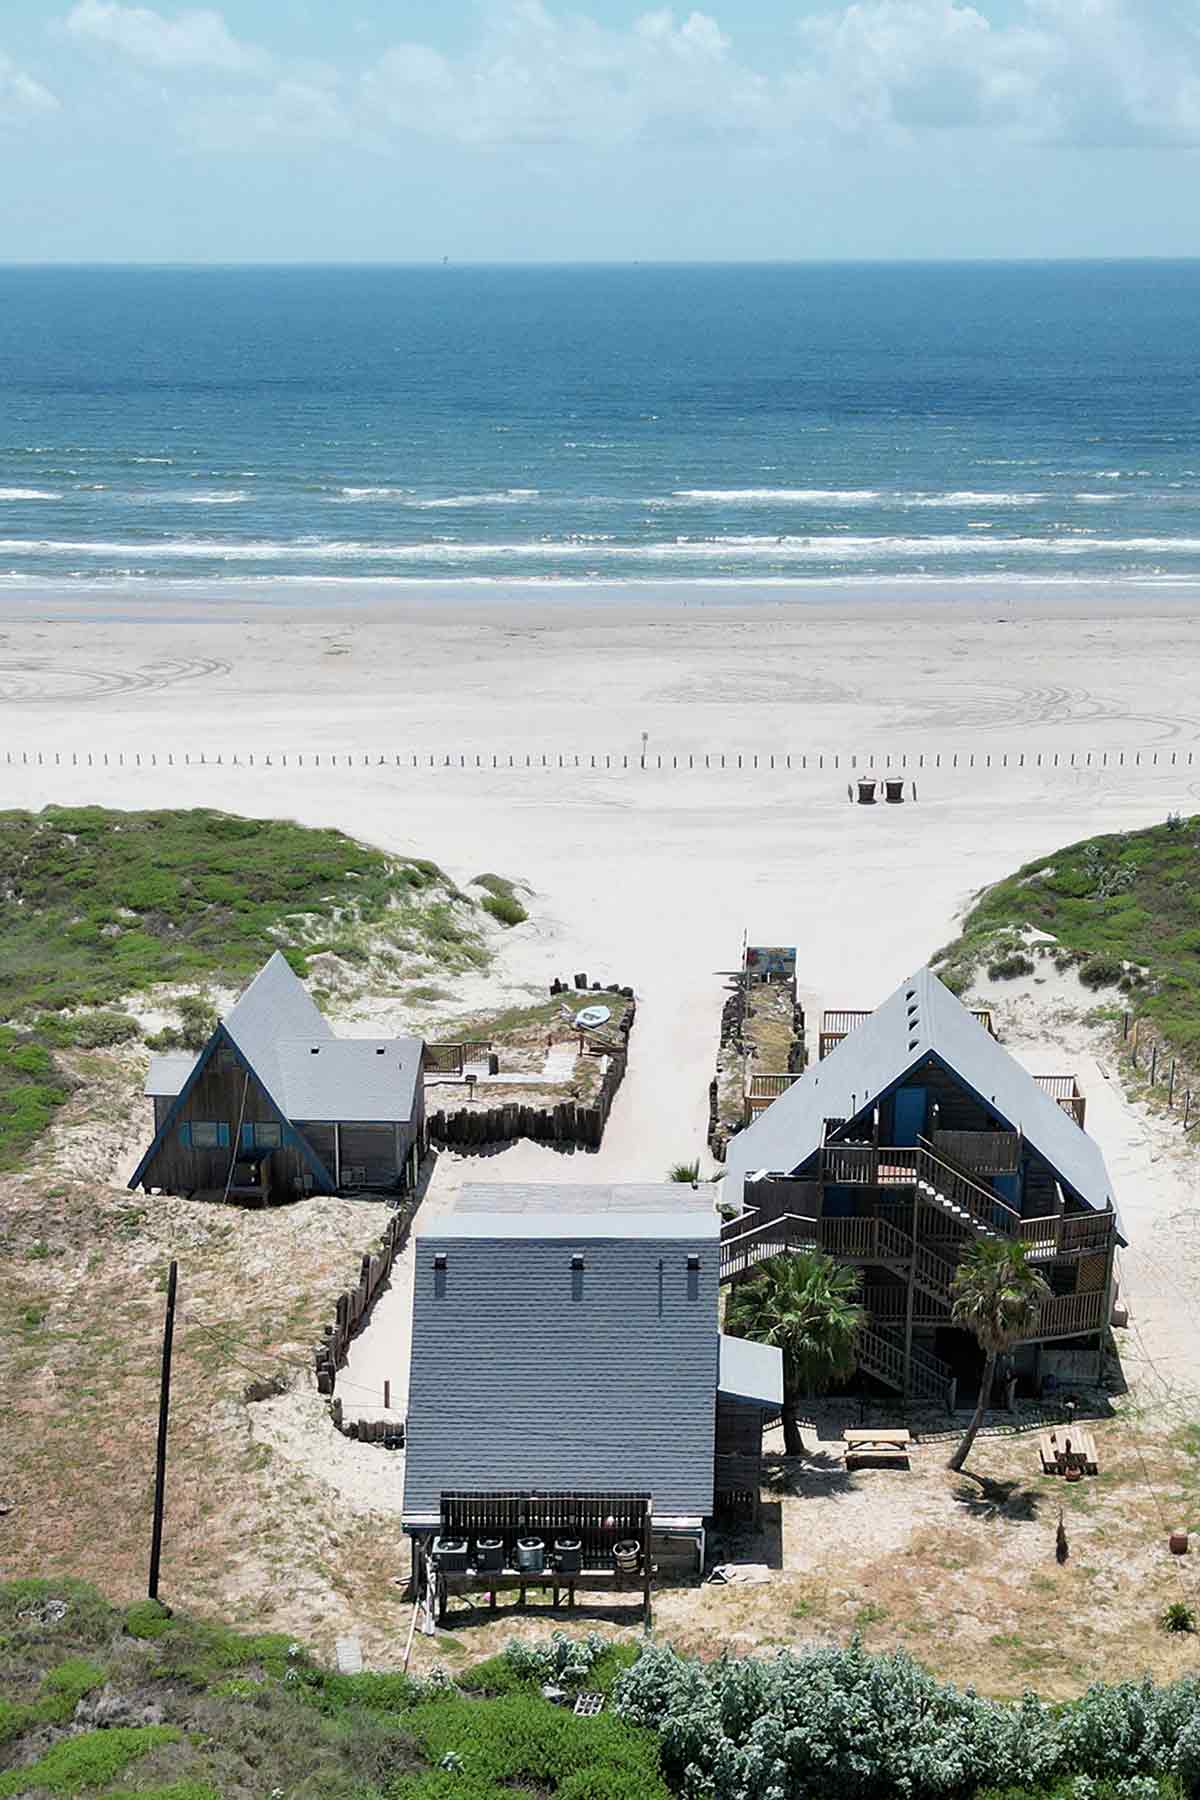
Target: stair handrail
{"type": "Point", "coordinates": [765, 1226]}
{"type": "Point", "coordinates": [987, 1196]}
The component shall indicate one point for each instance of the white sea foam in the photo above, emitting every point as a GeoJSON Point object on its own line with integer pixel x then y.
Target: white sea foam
{"type": "Point", "coordinates": [227, 497]}
{"type": "Point", "coordinates": [754, 496]}
{"type": "Point", "coordinates": [970, 497]}
{"type": "Point", "coordinates": [438, 502]}
{"type": "Point", "coordinates": [7, 493]}
{"type": "Point", "coordinates": [829, 548]}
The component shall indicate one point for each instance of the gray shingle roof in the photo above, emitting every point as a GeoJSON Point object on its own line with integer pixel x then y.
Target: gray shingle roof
{"type": "Point", "coordinates": [921, 1018]}
{"type": "Point", "coordinates": [275, 1007]}
{"type": "Point", "coordinates": [585, 1209]}
{"type": "Point", "coordinates": [528, 1374]}
{"type": "Point", "coordinates": [167, 1074]}
{"type": "Point", "coordinates": [354, 1080]}
{"type": "Point", "coordinates": [750, 1371]}
{"type": "Point", "coordinates": [309, 1074]}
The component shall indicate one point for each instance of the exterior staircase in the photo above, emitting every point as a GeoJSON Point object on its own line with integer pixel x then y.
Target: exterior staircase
{"type": "Point", "coordinates": [881, 1354]}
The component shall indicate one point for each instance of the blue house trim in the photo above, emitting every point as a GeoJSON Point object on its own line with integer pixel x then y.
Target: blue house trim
{"type": "Point", "coordinates": [221, 1039]}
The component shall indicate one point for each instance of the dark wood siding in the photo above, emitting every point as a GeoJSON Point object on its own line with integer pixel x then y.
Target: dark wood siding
{"type": "Point", "coordinates": [223, 1095]}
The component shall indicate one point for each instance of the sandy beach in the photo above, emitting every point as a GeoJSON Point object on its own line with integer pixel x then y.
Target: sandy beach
{"type": "Point", "coordinates": [650, 876]}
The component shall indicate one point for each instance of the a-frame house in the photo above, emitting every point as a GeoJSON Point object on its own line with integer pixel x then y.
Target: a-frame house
{"type": "Point", "coordinates": [916, 1135]}
{"type": "Point", "coordinates": [274, 1105]}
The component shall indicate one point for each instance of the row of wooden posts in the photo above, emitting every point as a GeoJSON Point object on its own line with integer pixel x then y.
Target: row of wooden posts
{"type": "Point", "coordinates": [956, 759]}
{"type": "Point", "coordinates": [1156, 1066]}
{"type": "Point", "coordinates": [355, 1303]}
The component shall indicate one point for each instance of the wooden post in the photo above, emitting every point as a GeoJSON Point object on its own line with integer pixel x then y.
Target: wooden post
{"type": "Point", "coordinates": [1153, 1063]}
{"type": "Point", "coordinates": [164, 1403]}
{"type": "Point", "coordinates": [646, 1612]}
{"type": "Point", "coordinates": [1171, 1084]}
{"type": "Point", "coordinates": [908, 1301]}
{"type": "Point", "coordinates": [1187, 1108]}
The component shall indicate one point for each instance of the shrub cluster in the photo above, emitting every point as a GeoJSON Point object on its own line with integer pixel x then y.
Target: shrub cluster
{"type": "Point", "coordinates": [842, 1722]}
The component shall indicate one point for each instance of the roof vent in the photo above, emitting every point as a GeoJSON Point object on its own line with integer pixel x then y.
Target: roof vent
{"type": "Point", "coordinates": [314, 1050]}
{"type": "Point", "coordinates": [909, 993]}
{"type": "Point", "coordinates": [577, 1262]}
{"type": "Point", "coordinates": [379, 1050]}
{"type": "Point", "coordinates": [913, 1042]}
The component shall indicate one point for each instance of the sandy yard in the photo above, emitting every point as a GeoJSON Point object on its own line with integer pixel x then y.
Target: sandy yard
{"type": "Point", "coordinates": [647, 877]}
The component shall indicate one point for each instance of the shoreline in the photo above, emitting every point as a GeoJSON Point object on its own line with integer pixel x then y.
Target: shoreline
{"type": "Point", "coordinates": [554, 599]}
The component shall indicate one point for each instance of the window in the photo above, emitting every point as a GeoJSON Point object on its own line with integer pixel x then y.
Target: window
{"type": "Point", "coordinates": [262, 1134]}
{"type": "Point", "coordinates": [205, 1134]}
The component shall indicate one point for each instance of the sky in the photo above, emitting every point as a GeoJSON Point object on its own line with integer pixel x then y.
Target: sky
{"type": "Point", "coordinates": [529, 130]}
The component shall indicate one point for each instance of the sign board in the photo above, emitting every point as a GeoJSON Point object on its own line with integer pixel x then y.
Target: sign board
{"type": "Point", "coordinates": [770, 962]}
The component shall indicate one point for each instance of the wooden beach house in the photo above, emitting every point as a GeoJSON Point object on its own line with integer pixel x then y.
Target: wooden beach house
{"type": "Point", "coordinates": [275, 1106]}
{"type": "Point", "coordinates": [567, 1365]}
{"type": "Point", "coordinates": [912, 1137]}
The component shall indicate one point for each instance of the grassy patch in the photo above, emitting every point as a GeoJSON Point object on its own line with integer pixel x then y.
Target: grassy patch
{"type": "Point", "coordinates": [98, 905]}
{"type": "Point", "coordinates": [32, 1088]}
{"type": "Point", "coordinates": [501, 899]}
{"type": "Point", "coordinates": [1125, 911]}
{"type": "Point", "coordinates": [256, 1713]}
{"type": "Point", "coordinates": [88, 1761]}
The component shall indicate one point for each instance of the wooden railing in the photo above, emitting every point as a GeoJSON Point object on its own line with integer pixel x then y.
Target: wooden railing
{"type": "Point", "coordinates": [903, 1165]}
{"type": "Point", "coordinates": [1068, 1234]}
{"type": "Point", "coordinates": [887, 1304]}
{"type": "Point", "coordinates": [1065, 1089]}
{"type": "Point", "coordinates": [1069, 1315]}
{"type": "Point", "coordinates": [771, 1086]}
{"type": "Point", "coordinates": [983, 1152]}
{"type": "Point", "coordinates": [882, 1355]}
{"type": "Point", "coordinates": [838, 1023]}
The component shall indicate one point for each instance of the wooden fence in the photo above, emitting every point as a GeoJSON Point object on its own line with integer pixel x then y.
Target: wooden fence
{"type": "Point", "coordinates": [693, 759]}
{"type": "Point", "coordinates": [569, 1122]}
{"type": "Point", "coordinates": [354, 1305]}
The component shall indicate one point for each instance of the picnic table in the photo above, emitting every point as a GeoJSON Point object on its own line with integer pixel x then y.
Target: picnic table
{"type": "Point", "coordinates": [1068, 1447]}
{"type": "Point", "coordinates": [876, 1443]}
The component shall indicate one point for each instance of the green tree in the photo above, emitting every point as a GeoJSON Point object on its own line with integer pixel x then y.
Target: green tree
{"type": "Point", "coordinates": [805, 1304]}
{"type": "Point", "coordinates": [996, 1296]}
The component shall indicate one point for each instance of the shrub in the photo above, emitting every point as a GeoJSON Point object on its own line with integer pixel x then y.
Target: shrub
{"type": "Point", "coordinates": [506, 908]}
{"type": "Point", "coordinates": [90, 1760]}
{"type": "Point", "coordinates": [1178, 1617]}
{"type": "Point", "coordinates": [558, 1658]}
{"type": "Point", "coordinates": [1101, 971]}
{"type": "Point", "coordinates": [869, 1728]}
{"type": "Point", "coordinates": [687, 1171]}
{"type": "Point", "coordinates": [1010, 965]}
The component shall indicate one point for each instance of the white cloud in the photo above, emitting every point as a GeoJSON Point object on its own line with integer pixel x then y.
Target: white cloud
{"type": "Point", "coordinates": [1111, 72]}
{"type": "Point", "coordinates": [1070, 71]}
{"type": "Point", "coordinates": [198, 39]}
{"type": "Point", "coordinates": [21, 97]}
{"type": "Point", "coordinates": [538, 77]}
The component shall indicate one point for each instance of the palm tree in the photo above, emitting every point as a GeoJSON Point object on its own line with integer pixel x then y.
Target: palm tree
{"type": "Point", "coordinates": [996, 1295]}
{"type": "Point", "coordinates": [806, 1305]}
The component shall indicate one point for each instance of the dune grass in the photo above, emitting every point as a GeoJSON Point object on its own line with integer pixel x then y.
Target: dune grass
{"type": "Point", "coordinates": [1125, 911]}
{"type": "Point", "coordinates": [98, 905]}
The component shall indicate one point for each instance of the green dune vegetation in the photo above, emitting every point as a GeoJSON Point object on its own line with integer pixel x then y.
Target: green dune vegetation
{"type": "Point", "coordinates": [114, 1703]}
{"type": "Point", "coordinates": [1124, 910]}
{"type": "Point", "coordinates": [97, 906]}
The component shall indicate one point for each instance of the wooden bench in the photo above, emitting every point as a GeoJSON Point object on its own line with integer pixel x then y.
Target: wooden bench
{"type": "Point", "coordinates": [877, 1445]}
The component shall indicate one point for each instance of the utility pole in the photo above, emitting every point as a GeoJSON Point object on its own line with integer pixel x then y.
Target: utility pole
{"type": "Point", "coordinates": [164, 1402]}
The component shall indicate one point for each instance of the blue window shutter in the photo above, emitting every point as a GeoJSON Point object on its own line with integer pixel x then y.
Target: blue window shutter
{"type": "Point", "coordinates": [247, 1137]}
{"type": "Point", "coordinates": [223, 1136]}
{"type": "Point", "coordinates": [185, 1136]}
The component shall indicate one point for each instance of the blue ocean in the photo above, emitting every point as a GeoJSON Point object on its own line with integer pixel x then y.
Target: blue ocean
{"type": "Point", "coordinates": [637, 424]}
